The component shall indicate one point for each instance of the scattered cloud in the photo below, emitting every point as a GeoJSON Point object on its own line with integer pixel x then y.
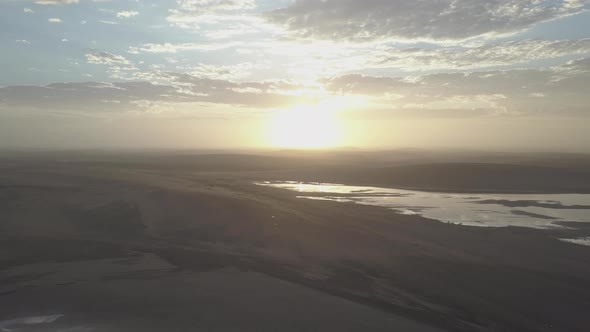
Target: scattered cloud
{"type": "Point", "coordinates": [336, 38]}
{"type": "Point", "coordinates": [418, 19]}
{"type": "Point", "coordinates": [62, 2]}
{"type": "Point", "coordinates": [479, 56]}
{"type": "Point", "coordinates": [199, 7]}
{"type": "Point", "coordinates": [127, 14]}
{"type": "Point", "coordinates": [173, 48]}
{"type": "Point", "coordinates": [221, 72]}
{"type": "Point", "coordinates": [106, 58]}
{"type": "Point", "coordinates": [559, 90]}
{"type": "Point", "coordinates": [129, 96]}
{"type": "Point", "coordinates": [56, 2]}
{"type": "Point", "coordinates": [516, 91]}
{"type": "Point", "coordinates": [191, 13]}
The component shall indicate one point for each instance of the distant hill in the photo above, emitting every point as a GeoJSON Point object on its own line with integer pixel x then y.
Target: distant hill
{"type": "Point", "coordinates": [474, 177]}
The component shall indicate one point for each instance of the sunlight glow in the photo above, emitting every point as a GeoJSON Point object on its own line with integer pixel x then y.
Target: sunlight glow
{"type": "Point", "coordinates": [309, 126]}
{"type": "Point", "coordinates": [304, 127]}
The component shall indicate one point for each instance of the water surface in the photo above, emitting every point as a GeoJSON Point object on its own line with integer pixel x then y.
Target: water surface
{"type": "Point", "coordinates": [483, 210]}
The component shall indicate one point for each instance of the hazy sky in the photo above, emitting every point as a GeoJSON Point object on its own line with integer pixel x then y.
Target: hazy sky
{"type": "Point", "coordinates": [306, 73]}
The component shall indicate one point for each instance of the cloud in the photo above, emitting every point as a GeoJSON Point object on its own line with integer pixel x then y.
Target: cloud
{"type": "Point", "coordinates": [89, 96]}
{"type": "Point", "coordinates": [56, 2]}
{"type": "Point", "coordinates": [560, 91]}
{"type": "Point", "coordinates": [191, 13]}
{"type": "Point", "coordinates": [106, 58]}
{"type": "Point", "coordinates": [55, 20]}
{"type": "Point", "coordinates": [173, 48]}
{"type": "Point", "coordinates": [99, 97]}
{"type": "Point", "coordinates": [557, 90]}
{"type": "Point", "coordinates": [62, 2]}
{"type": "Point", "coordinates": [28, 10]}
{"type": "Point", "coordinates": [127, 14]}
{"type": "Point", "coordinates": [198, 86]}
{"type": "Point", "coordinates": [577, 66]}
{"type": "Point", "coordinates": [222, 72]}
{"type": "Point", "coordinates": [418, 19]}
{"type": "Point", "coordinates": [207, 6]}
{"type": "Point", "coordinates": [479, 56]}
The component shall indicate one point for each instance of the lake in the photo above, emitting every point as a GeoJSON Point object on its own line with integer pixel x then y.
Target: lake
{"type": "Point", "coordinates": [482, 210]}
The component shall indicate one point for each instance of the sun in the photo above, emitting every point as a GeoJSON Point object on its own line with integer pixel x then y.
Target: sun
{"type": "Point", "coordinates": [306, 126]}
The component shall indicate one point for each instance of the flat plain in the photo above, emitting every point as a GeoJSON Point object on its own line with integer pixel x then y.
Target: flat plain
{"type": "Point", "coordinates": [156, 241]}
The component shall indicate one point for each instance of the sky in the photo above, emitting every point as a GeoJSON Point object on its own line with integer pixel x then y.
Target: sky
{"type": "Point", "coordinates": [477, 74]}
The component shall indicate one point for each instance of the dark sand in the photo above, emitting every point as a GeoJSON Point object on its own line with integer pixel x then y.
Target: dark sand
{"type": "Point", "coordinates": [145, 293]}
{"type": "Point", "coordinates": [151, 242]}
